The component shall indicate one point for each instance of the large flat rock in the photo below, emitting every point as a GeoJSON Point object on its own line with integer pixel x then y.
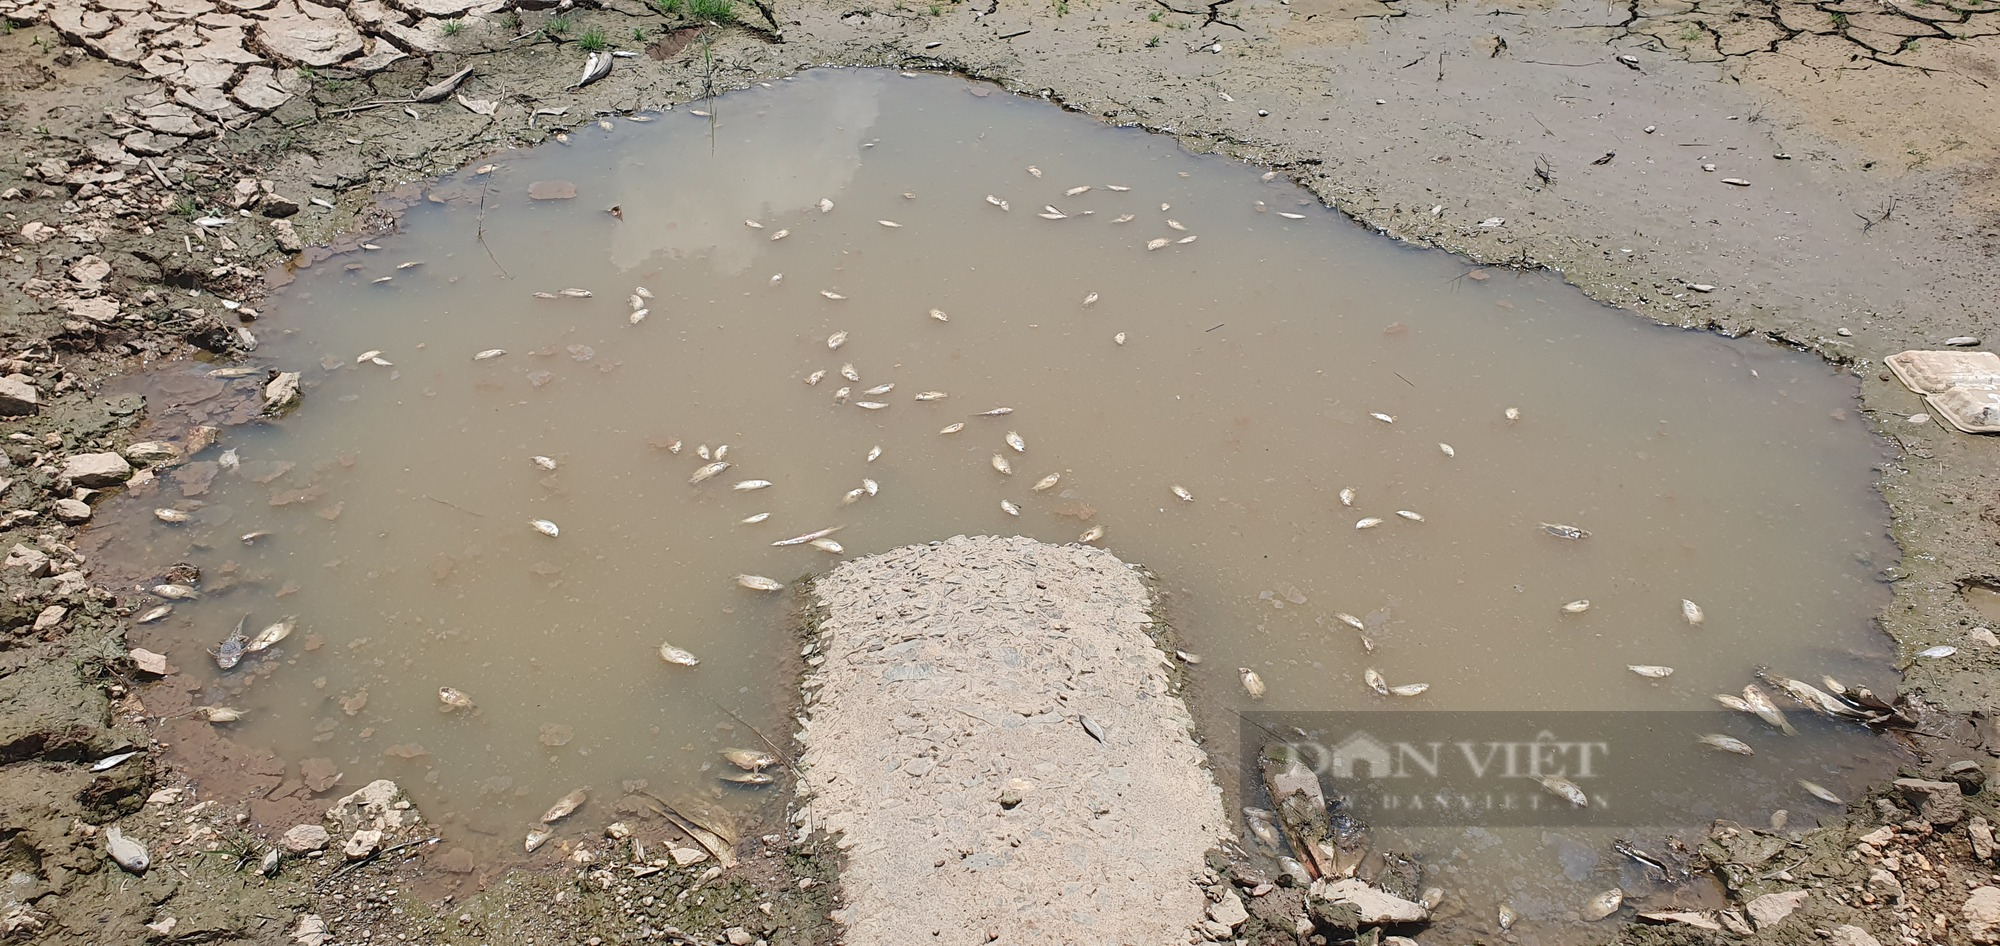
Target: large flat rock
{"type": "Point", "coordinates": [958, 674]}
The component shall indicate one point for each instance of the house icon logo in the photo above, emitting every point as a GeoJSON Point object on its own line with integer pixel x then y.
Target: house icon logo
{"type": "Point", "coordinates": [1362, 748]}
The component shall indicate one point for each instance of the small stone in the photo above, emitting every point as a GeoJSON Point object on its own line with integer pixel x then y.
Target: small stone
{"type": "Point", "coordinates": [278, 206]}
{"type": "Point", "coordinates": [618, 831]}
{"type": "Point", "coordinates": [152, 144]}
{"type": "Point", "coordinates": [1229, 910]}
{"type": "Point", "coordinates": [18, 396]}
{"type": "Point", "coordinates": [90, 269]}
{"type": "Point", "coordinates": [71, 510]}
{"type": "Point", "coordinates": [1981, 834]}
{"type": "Point", "coordinates": [1983, 635]}
{"type": "Point", "coordinates": [1375, 907]}
{"type": "Point", "coordinates": [738, 936]}
{"type": "Point", "coordinates": [287, 236]}
{"type": "Point", "coordinates": [1851, 935]}
{"type": "Point", "coordinates": [100, 309]}
{"type": "Point", "coordinates": [50, 617]}
{"type": "Point", "coordinates": [364, 842]}
{"type": "Point", "coordinates": [1884, 885]}
{"type": "Point", "coordinates": [145, 661]}
{"type": "Point", "coordinates": [304, 839]}
{"type": "Point", "coordinates": [1940, 803]}
{"type": "Point", "coordinates": [1878, 837]}
{"type": "Point", "coordinates": [150, 452]}
{"type": "Point", "coordinates": [164, 925]}
{"type": "Point", "coordinates": [311, 931]}
{"type": "Point", "coordinates": [1981, 914]}
{"type": "Point", "coordinates": [96, 470]}
{"type": "Point", "coordinates": [34, 561]}
{"type": "Point", "coordinates": [687, 855]}
{"type": "Point", "coordinates": [1700, 921]}
{"type": "Point", "coordinates": [1967, 774]}
{"type": "Point", "coordinates": [1767, 910]}
{"type": "Point", "coordinates": [281, 393]}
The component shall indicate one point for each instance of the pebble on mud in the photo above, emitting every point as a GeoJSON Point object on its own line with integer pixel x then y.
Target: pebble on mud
{"type": "Point", "coordinates": [304, 839]}
{"type": "Point", "coordinates": [145, 661]}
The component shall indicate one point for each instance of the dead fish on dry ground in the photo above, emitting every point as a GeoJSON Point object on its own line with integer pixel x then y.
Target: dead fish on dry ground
{"type": "Point", "coordinates": [453, 699]}
{"type": "Point", "coordinates": [565, 806]}
{"type": "Point", "coordinates": [230, 652]}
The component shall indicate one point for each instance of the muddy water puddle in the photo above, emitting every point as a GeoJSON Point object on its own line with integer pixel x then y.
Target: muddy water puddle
{"type": "Point", "coordinates": [980, 252]}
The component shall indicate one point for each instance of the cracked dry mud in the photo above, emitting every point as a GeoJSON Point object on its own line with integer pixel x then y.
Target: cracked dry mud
{"type": "Point", "coordinates": [1866, 132]}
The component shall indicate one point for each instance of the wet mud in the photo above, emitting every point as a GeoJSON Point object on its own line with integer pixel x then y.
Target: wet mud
{"type": "Point", "coordinates": [1864, 226]}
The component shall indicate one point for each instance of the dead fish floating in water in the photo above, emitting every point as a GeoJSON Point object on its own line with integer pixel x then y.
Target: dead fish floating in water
{"type": "Point", "coordinates": [1409, 689]}
{"type": "Point", "coordinates": [154, 614]}
{"type": "Point", "coordinates": [1384, 418]}
{"type": "Point", "coordinates": [871, 486]}
{"type": "Point", "coordinates": [1009, 508]}
{"type": "Point", "coordinates": [815, 377]}
{"type": "Point", "coordinates": [1651, 671]}
{"type": "Point", "coordinates": [1561, 531]}
{"type": "Point", "coordinates": [270, 636]}
{"type": "Point", "coordinates": [836, 340]}
{"type": "Point", "coordinates": [759, 583]}
{"type": "Point", "coordinates": [545, 527]}
{"type": "Point", "coordinates": [747, 778]}
{"type": "Point", "coordinates": [1347, 496]}
{"type": "Point", "coordinates": [828, 546]}
{"type": "Point", "coordinates": [565, 806]}
{"type": "Point", "coordinates": [453, 699]}
{"type": "Point", "coordinates": [1091, 534]}
{"type": "Point", "coordinates": [708, 472]}
{"type": "Point", "coordinates": [808, 537]}
{"type": "Point", "coordinates": [996, 412]}
{"type": "Point", "coordinates": [171, 516]}
{"type": "Point", "coordinates": [1578, 606]}
{"type": "Point", "coordinates": [749, 760]}
{"type": "Point", "coordinates": [880, 389]}
{"type": "Point", "coordinates": [176, 592]}
{"type": "Point", "coordinates": [1564, 789]}
{"type": "Point", "coordinates": [1760, 704]}
{"type": "Point", "coordinates": [1252, 683]}
{"type": "Point", "coordinates": [1412, 516]}
{"type": "Point", "coordinates": [1046, 482]}
{"type": "Point", "coordinates": [1350, 620]}
{"type": "Point", "coordinates": [1157, 243]}
{"type": "Point", "coordinates": [1691, 612]}
{"type": "Point", "coordinates": [1512, 414]}
{"type": "Point", "coordinates": [1820, 792]}
{"type": "Point", "coordinates": [675, 655]}
{"type": "Point", "coordinates": [1000, 463]}
{"type": "Point", "coordinates": [852, 496]}
{"type": "Point", "coordinates": [1373, 678]}
{"type": "Point", "coordinates": [951, 428]}
{"type": "Point", "coordinates": [1180, 492]}
{"type": "Point", "coordinates": [847, 371]}
{"type": "Point", "coordinates": [230, 652]}
{"type": "Point", "coordinates": [1368, 522]}
{"type": "Point", "coordinates": [939, 315]}
{"type": "Point", "coordinates": [753, 520]}
{"type": "Point", "coordinates": [1736, 703]}
{"type": "Point", "coordinates": [1014, 440]}
{"type": "Point", "coordinates": [1726, 743]}
{"type": "Point", "coordinates": [747, 485]}
{"type": "Point", "coordinates": [536, 838]}
{"type": "Point", "coordinates": [219, 714]}
{"type": "Point", "coordinates": [544, 462]}
{"type": "Point", "coordinates": [870, 405]}
{"type": "Point", "coordinates": [873, 453]}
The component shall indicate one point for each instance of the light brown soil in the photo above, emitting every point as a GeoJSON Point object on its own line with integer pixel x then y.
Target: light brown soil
{"type": "Point", "coordinates": [1881, 218]}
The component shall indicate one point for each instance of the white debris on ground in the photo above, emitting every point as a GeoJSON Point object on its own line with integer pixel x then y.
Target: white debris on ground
{"type": "Point", "coordinates": [990, 724]}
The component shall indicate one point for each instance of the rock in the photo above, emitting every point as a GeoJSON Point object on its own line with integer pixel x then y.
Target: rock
{"type": "Point", "coordinates": [1229, 910]}
{"type": "Point", "coordinates": [1884, 885]}
{"type": "Point", "coordinates": [738, 936]}
{"type": "Point", "coordinates": [99, 309]}
{"type": "Point", "coordinates": [687, 855]}
{"type": "Point", "coordinates": [145, 661]}
{"type": "Point", "coordinates": [1375, 907]}
{"type": "Point", "coordinates": [279, 206]}
{"type": "Point", "coordinates": [1770, 908]}
{"type": "Point", "coordinates": [35, 231]}
{"type": "Point", "coordinates": [31, 560]}
{"type": "Point", "coordinates": [90, 269]}
{"type": "Point", "coordinates": [1981, 914]}
{"type": "Point", "coordinates": [304, 839]}
{"type": "Point", "coordinates": [152, 143]}
{"type": "Point", "coordinates": [1879, 836]}
{"type": "Point", "coordinates": [1981, 835]}
{"type": "Point", "coordinates": [168, 118]}
{"type": "Point", "coordinates": [1700, 921]}
{"type": "Point", "coordinates": [126, 852]}
{"type": "Point", "coordinates": [1967, 774]}
{"type": "Point", "coordinates": [319, 774]}
{"type": "Point", "coordinates": [1940, 803]}
{"type": "Point", "coordinates": [50, 617]}
{"type": "Point", "coordinates": [1852, 936]}
{"type": "Point", "coordinates": [364, 842]}
{"type": "Point", "coordinates": [259, 90]}
{"type": "Point", "coordinates": [98, 470]}
{"type": "Point", "coordinates": [163, 926]}
{"type": "Point", "coordinates": [378, 806]}
{"type": "Point", "coordinates": [287, 236]}
{"type": "Point", "coordinates": [150, 452]}
{"type": "Point", "coordinates": [281, 393]}
{"type": "Point", "coordinates": [18, 396]}
{"type": "Point", "coordinates": [311, 931]}
{"type": "Point", "coordinates": [71, 510]}
{"type": "Point", "coordinates": [307, 34]}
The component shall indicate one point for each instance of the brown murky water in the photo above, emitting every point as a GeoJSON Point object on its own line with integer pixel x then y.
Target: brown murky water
{"type": "Point", "coordinates": [399, 496]}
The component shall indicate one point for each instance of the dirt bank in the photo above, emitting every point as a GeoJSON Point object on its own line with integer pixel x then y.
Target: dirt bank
{"type": "Point", "coordinates": [158, 160]}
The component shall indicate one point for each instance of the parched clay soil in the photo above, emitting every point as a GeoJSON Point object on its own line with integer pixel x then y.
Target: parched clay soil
{"type": "Point", "coordinates": [1593, 139]}
{"type": "Point", "coordinates": [990, 730]}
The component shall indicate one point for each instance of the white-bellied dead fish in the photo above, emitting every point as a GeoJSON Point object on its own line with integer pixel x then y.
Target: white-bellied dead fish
{"type": "Point", "coordinates": [1009, 508]}
{"type": "Point", "coordinates": [815, 377]}
{"type": "Point", "coordinates": [171, 516]}
{"type": "Point", "coordinates": [1091, 534]}
{"type": "Point", "coordinates": [747, 485]}
{"type": "Point", "coordinates": [840, 396]}
{"type": "Point", "coordinates": [1350, 620]}
{"type": "Point", "coordinates": [230, 652]}
{"type": "Point", "coordinates": [229, 460]}
{"type": "Point", "coordinates": [837, 339]}
{"type": "Point", "coordinates": [1157, 242]}
{"type": "Point", "coordinates": [1347, 495]}
{"type": "Point", "coordinates": [873, 453]}
{"type": "Point", "coordinates": [271, 635]}
{"type": "Point", "coordinates": [176, 592]}
{"type": "Point", "coordinates": [1263, 826]}
{"type": "Point", "coordinates": [1561, 531]}
{"type": "Point", "coordinates": [1736, 703]}
{"type": "Point", "coordinates": [830, 294]}
{"type": "Point", "coordinates": [1760, 704]}
{"type": "Point", "coordinates": [1409, 689]}
{"type": "Point", "coordinates": [154, 614]}
{"type": "Point", "coordinates": [1578, 606]}
{"type": "Point", "coordinates": [847, 371]}
{"type": "Point", "coordinates": [1820, 792]}
{"type": "Point", "coordinates": [1725, 743]}
{"type": "Point", "coordinates": [708, 472]}
{"type": "Point", "coordinates": [880, 389]}
{"type": "Point", "coordinates": [1252, 683]}
{"type": "Point", "coordinates": [749, 760]}
{"type": "Point", "coordinates": [596, 67]}
{"type": "Point", "coordinates": [536, 838]}
{"type": "Point", "coordinates": [1046, 482]}
{"type": "Point", "coordinates": [870, 486]}
{"type": "Point", "coordinates": [1446, 449]}
{"type": "Point", "coordinates": [230, 373]}
{"type": "Point", "coordinates": [996, 412]}
{"type": "Point", "coordinates": [565, 806]}
{"type": "Point", "coordinates": [753, 520]}
{"type": "Point", "coordinates": [759, 583]}
{"type": "Point", "coordinates": [1811, 697]}
{"type": "Point", "coordinates": [125, 852]}
{"type": "Point", "coordinates": [1653, 671]}
{"type": "Point", "coordinates": [853, 495]}
{"type": "Point", "coordinates": [870, 405]}
{"type": "Point", "coordinates": [453, 699]}
{"type": "Point", "coordinates": [1604, 904]}
{"type": "Point", "coordinates": [1939, 652]}
{"type": "Point", "coordinates": [808, 537]}
{"type": "Point", "coordinates": [1367, 522]}
{"type": "Point", "coordinates": [828, 545]}
{"type": "Point", "coordinates": [1506, 917]}
{"type": "Point", "coordinates": [939, 315]}
{"type": "Point", "coordinates": [112, 761]}
{"type": "Point", "coordinates": [952, 428]}
{"type": "Point", "coordinates": [1691, 612]}
{"type": "Point", "coordinates": [1373, 678]}
{"type": "Point", "coordinates": [1000, 463]}
{"type": "Point", "coordinates": [675, 655]}
{"type": "Point", "coordinates": [747, 778]}
{"type": "Point", "coordinates": [1564, 789]}
{"type": "Point", "coordinates": [1180, 492]}
{"type": "Point", "coordinates": [1014, 440]}
{"type": "Point", "coordinates": [545, 527]}
{"type": "Point", "coordinates": [1384, 418]}
{"type": "Point", "coordinates": [219, 714]}
{"type": "Point", "coordinates": [1410, 515]}
{"type": "Point", "coordinates": [1118, 339]}
{"type": "Point", "coordinates": [545, 463]}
